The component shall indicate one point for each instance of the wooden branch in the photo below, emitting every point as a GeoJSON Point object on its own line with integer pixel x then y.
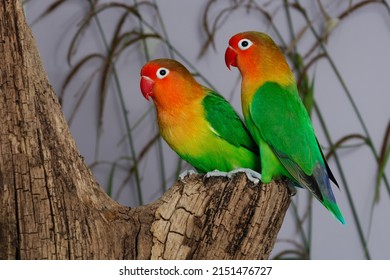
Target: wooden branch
{"type": "Point", "coordinates": [218, 219]}
{"type": "Point", "coordinates": [51, 206]}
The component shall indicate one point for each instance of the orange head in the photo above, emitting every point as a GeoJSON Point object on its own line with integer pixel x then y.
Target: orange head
{"type": "Point", "coordinates": [167, 82]}
{"type": "Point", "coordinates": [258, 58]}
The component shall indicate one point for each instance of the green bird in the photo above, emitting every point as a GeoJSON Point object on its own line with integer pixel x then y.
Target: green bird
{"type": "Point", "coordinates": [196, 122]}
{"type": "Point", "coordinates": [277, 119]}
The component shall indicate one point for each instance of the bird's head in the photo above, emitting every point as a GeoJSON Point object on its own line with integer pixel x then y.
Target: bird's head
{"type": "Point", "coordinates": [154, 74]}
{"type": "Point", "coordinates": [248, 46]}
{"type": "Point", "coordinates": [167, 82]}
{"type": "Point", "coordinates": [257, 57]}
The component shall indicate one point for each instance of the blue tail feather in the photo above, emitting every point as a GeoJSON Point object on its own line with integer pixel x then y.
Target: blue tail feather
{"type": "Point", "coordinates": [328, 200]}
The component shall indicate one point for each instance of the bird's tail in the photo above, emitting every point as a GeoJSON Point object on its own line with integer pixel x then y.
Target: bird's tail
{"type": "Point", "coordinates": [334, 210]}
{"type": "Point", "coordinates": [318, 183]}
{"type": "Point", "coordinates": [327, 198]}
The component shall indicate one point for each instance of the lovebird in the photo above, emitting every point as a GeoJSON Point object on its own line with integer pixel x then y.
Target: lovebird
{"type": "Point", "coordinates": [196, 122]}
{"type": "Point", "coordinates": [277, 119]}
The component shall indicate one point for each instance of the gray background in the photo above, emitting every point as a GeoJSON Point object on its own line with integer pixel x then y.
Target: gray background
{"type": "Point", "coordinates": [359, 46]}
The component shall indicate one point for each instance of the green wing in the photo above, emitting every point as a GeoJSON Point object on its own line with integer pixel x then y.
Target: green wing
{"type": "Point", "coordinates": [330, 174]}
{"type": "Point", "coordinates": [229, 127]}
{"type": "Point", "coordinates": [284, 124]}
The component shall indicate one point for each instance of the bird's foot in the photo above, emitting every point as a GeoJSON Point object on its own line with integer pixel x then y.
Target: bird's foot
{"type": "Point", "coordinates": [252, 175]}
{"type": "Point", "coordinates": [186, 173]}
{"type": "Point", "coordinates": [292, 190]}
{"type": "Point", "coordinates": [216, 173]}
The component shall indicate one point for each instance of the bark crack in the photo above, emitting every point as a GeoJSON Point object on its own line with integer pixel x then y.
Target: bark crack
{"type": "Point", "coordinates": [18, 235]}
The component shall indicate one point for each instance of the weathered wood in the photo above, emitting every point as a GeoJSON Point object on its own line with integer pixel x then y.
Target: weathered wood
{"type": "Point", "coordinates": [51, 206]}
{"type": "Point", "coordinates": [218, 219]}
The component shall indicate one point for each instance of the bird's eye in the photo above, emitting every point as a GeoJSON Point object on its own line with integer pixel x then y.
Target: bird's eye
{"type": "Point", "coordinates": [162, 73]}
{"type": "Point", "coordinates": [244, 44]}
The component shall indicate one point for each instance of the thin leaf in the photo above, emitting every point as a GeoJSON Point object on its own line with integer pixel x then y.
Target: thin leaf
{"type": "Point", "coordinates": [94, 11]}
{"type": "Point", "coordinates": [54, 6]}
{"type": "Point", "coordinates": [298, 253]}
{"type": "Point", "coordinates": [341, 141]}
{"type": "Point", "coordinates": [111, 177]}
{"type": "Point", "coordinates": [132, 169]}
{"type": "Point", "coordinates": [219, 19]}
{"type": "Point", "coordinates": [81, 93]}
{"type": "Point", "coordinates": [75, 69]}
{"type": "Point", "coordinates": [382, 160]}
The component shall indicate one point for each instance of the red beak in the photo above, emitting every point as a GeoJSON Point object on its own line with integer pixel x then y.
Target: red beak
{"type": "Point", "coordinates": [146, 86]}
{"type": "Point", "coordinates": [230, 57]}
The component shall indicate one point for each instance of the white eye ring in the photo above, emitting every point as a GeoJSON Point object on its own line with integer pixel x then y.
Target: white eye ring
{"type": "Point", "coordinates": [162, 73]}
{"type": "Point", "coordinates": [244, 44]}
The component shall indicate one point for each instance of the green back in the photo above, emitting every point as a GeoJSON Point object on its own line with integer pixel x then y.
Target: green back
{"type": "Point", "coordinates": [279, 115]}
{"type": "Point", "coordinates": [226, 123]}
{"type": "Point", "coordinates": [282, 122]}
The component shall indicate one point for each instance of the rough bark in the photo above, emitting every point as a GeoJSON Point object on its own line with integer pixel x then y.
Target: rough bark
{"type": "Point", "coordinates": [51, 206]}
